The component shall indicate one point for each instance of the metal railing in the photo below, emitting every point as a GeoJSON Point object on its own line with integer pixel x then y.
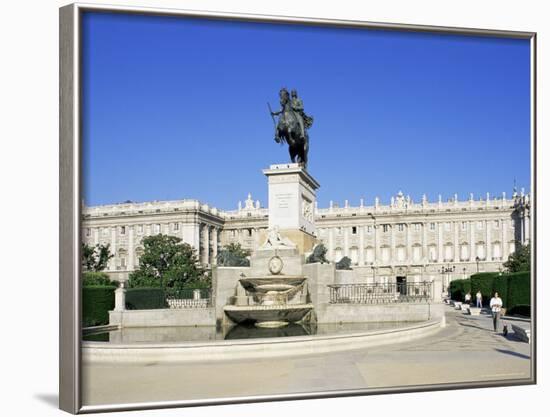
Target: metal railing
{"type": "Point", "coordinates": [381, 293]}
{"type": "Point", "coordinates": [189, 297]}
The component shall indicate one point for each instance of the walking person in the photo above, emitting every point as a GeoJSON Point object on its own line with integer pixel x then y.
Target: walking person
{"type": "Point", "coordinates": [467, 298]}
{"type": "Point", "coordinates": [479, 299]}
{"type": "Point", "coordinates": [496, 304]}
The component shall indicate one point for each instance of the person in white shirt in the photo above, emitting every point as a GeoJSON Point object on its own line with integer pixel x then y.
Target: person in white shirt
{"type": "Point", "coordinates": [496, 304]}
{"type": "Point", "coordinates": [467, 298]}
{"type": "Point", "coordinates": [479, 299]}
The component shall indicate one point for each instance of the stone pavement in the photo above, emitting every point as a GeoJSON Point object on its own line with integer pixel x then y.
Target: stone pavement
{"type": "Point", "coordinates": [467, 350]}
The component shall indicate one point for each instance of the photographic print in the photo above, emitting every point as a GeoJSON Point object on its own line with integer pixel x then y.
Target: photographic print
{"type": "Point", "coordinates": [279, 208]}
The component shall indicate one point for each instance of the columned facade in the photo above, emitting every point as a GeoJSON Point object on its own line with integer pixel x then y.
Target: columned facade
{"type": "Point", "coordinates": [412, 239]}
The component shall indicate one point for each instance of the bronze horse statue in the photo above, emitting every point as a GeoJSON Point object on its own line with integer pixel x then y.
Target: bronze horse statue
{"type": "Point", "coordinates": [288, 130]}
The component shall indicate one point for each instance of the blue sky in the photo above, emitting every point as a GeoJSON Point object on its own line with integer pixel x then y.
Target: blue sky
{"type": "Point", "coordinates": [176, 108]}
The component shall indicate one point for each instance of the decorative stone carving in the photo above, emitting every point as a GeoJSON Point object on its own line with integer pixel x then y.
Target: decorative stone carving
{"type": "Point", "coordinates": [276, 241]}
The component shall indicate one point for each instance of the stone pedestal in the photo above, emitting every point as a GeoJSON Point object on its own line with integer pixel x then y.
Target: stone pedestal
{"type": "Point", "coordinates": [120, 299]}
{"type": "Point", "coordinates": [291, 200]}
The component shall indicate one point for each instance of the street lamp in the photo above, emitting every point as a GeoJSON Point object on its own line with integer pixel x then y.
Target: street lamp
{"type": "Point", "coordinates": [445, 272]}
{"type": "Point", "coordinates": [477, 264]}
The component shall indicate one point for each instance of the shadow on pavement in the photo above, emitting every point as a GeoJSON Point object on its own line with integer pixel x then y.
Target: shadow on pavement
{"type": "Point", "coordinates": [510, 352]}
{"type": "Point", "coordinates": [477, 327]}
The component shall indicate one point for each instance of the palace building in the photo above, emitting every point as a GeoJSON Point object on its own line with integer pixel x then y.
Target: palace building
{"type": "Point", "coordinates": [417, 241]}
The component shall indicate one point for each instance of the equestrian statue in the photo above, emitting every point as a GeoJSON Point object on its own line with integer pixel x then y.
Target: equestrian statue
{"type": "Point", "coordinates": [292, 126]}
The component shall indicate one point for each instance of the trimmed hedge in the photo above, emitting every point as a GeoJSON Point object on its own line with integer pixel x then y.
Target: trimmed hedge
{"type": "Point", "coordinates": [500, 285]}
{"type": "Point", "coordinates": [96, 303]}
{"type": "Point", "coordinates": [514, 289]}
{"type": "Point", "coordinates": [519, 289]}
{"type": "Point", "coordinates": [459, 288]}
{"type": "Point", "coordinates": [520, 310]}
{"type": "Point", "coordinates": [483, 282]}
{"type": "Point", "coordinates": [145, 299]}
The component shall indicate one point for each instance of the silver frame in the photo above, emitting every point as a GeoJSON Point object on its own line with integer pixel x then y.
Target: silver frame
{"type": "Point", "coordinates": [70, 202]}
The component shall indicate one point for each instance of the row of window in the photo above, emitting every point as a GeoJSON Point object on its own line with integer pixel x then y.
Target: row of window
{"type": "Point", "coordinates": [140, 228]}
{"type": "Point", "coordinates": [418, 226]}
{"type": "Point", "coordinates": [339, 230]}
{"type": "Point", "coordinates": [432, 255]}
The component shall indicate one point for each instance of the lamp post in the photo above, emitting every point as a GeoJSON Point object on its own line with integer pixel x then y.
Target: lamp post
{"type": "Point", "coordinates": [477, 264]}
{"type": "Point", "coordinates": [445, 272]}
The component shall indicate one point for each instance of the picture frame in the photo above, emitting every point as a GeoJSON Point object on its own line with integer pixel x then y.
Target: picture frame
{"type": "Point", "coordinates": [71, 184]}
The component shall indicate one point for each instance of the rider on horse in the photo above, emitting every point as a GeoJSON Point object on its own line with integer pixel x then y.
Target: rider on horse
{"type": "Point", "coordinates": [295, 107]}
{"type": "Point", "coordinates": [292, 126]}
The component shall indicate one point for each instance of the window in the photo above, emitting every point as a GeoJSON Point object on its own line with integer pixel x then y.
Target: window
{"type": "Point", "coordinates": [157, 228]}
{"type": "Point", "coordinates": [369, 229]}
{"type": "Point", "coordinates": [140, 228]}
{"type": "Point", "coordinates": [464, 226]}
{"type": "Point", "coordinates": [385, 253]}
{"type": "Point", "coordinates": [385, 228]}
{"type": "Point", "coordinates": [464, 252]}
{"type": "Point", "coordinates": [432, 226]}
{"type": "Point", "coordinates": [401, 253]}
{"type": "Point", "coordinates": [448, 253]}
{"type": "Point", "coordinates": [496, 224]}
{"type": "Point", "coordinates": [447, 226]}
{"type": "Point", "coordinates": [497, 253]}
{"type": "Point", "coordinates": [337, 254]}
{"type": "Point", "coordinates": [400, 227]}
{"type": "Point", "coordinates": [88, 232]}
{"type": "Point", "coordinates": [417, 252]}
{"type": "Point", "coordinates": [354, 230]}
{"type": "Point", "coordinates": [249, 232]}
{"type": "Point", "coordinates": [122, 230]}
{"type": "Point", "coordinates": [176, 226]}
{"type": "Point", "coordinates": [338, 230]}
{"type": "Point", "coordinates": [417, 227]}
{"type": "Point", "coordinates": [480, 250]}
{"type": "Point", "coordinates": [432, 253]}
{"type": "Point", "coordinates": [105, 231]}
{"type": "Point", "coordinates": [480, 225]}
{"type": "Point", "coordinates": [353, 255]}
{"type": "Point", "coordinates": [369, 254]}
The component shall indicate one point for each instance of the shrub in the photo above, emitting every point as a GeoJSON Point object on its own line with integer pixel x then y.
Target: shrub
{"type": "Point", "coordinates": [93, 279]}
{"type": "Point", "coordinates": [519, 289]}
{"type": "Point", "coordinates": [145, 299]}
{"type": "Point", "coordinates": [483, 282]}
{"type": "Point", "coordinates": [520, 310]}
{"type": "Point", "coordinates": [500, 285]}
{"type": "Point", "coordinates": [96, 303]}
{"type": "Point", "coordinates": [459, 288]}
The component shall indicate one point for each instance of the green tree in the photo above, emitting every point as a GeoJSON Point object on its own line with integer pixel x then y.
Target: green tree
{"type": "Point", "coordinates": [95, 258]}
{"type": "Point", "coordinates": [166, 262]}
{"type": "Point", "coordinates": [520, 260]}
{"type": "Point", "coordinates": [233, 255]}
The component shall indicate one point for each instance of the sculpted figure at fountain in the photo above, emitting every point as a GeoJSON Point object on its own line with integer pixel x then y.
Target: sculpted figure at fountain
{"type": "Point", "coordinates": [276, 241]}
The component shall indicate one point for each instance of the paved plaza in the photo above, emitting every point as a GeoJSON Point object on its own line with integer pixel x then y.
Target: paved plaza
{"type": "Point", "coordinates": [466, 350]}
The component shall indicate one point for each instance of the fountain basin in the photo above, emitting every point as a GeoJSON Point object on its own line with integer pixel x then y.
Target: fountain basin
{"type": "Point", "coordinates": [285, 313]}
{"type": "Point", "coordinates": [279, 283]}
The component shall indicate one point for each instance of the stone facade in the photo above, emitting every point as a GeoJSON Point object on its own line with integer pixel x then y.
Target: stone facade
{"type": "Point", "coordinates": [407, 239]}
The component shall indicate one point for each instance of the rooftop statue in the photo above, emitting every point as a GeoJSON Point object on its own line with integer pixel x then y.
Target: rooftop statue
{"type": "Point", "coordinates": [292, 126]}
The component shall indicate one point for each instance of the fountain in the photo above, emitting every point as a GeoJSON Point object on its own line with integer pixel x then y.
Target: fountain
{"type": "Point", "coordinates": [274, 299]}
